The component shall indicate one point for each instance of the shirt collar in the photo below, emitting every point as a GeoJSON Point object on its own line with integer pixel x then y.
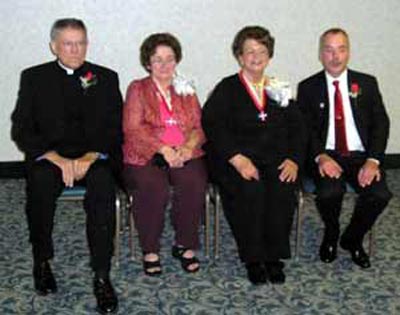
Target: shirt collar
{"type": "Point", "coordinates": [341, 78]}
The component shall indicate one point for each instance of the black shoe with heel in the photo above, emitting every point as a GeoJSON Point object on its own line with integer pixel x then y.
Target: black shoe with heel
{"type": "Point", "coordinates": [274, 271]}
{"type": "Point", "coordinates": [152, 268]}
{"type": "Point", "coordinates": [178, 252]}
{"type": "Point", "coordinates": [256, 273]}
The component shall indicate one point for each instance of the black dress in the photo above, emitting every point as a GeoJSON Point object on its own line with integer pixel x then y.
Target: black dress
{"type": "Point", "coordinates": [259, 212]}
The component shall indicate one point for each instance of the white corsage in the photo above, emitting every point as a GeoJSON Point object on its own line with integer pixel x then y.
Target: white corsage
{"type": "Point", "coordinates": [182, 85]}
{"type": "Point", "coordinates": [279, 91]}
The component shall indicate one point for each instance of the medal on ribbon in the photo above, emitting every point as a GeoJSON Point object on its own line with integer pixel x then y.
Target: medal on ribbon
{"type": "Point", "coordinates": [166, 103]}
{"type": "Point", "coordinates": [259, 102]}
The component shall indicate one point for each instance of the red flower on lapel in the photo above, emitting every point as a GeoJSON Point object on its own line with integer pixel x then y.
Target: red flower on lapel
{"type": "Point", "coordinates": [89, 76]}
{"type": "Point", "coordinates": [354, 90]}
{"type": "Point", "coordinates": [88, 80]}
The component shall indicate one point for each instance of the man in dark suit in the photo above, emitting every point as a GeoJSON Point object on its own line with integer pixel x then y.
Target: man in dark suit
{"type": "Point", "coordinates": [348, 132]}
{"type": "Point", "coordinates": [67, 121]}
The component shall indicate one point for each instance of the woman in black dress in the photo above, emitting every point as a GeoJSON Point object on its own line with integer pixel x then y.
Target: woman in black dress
{"type": "Point", "coordinates": [255, 145]}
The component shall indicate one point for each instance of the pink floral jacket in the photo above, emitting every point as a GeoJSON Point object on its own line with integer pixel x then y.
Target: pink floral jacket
{"type": "Point", "coordinates": [142, 123]}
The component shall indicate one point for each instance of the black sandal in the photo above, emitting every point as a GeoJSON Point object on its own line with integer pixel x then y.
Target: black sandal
{"type": "Point", "coordinates": [148, 265]}
{"type": "Point", "coordinates": [178, 252]}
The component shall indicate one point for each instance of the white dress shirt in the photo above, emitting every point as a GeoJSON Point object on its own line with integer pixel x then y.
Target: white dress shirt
{"type": "Point", "coordinates": [353, 138]}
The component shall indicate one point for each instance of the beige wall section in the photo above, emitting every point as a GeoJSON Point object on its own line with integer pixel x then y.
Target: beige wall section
{"type": "Point", "coordinates": [206, 29]}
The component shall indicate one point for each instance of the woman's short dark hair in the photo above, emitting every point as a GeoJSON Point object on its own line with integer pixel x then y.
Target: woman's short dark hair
{"type": "Point", "coordinates": [258, 33]}
{"type": "Point", "coordinates": [150, 44]}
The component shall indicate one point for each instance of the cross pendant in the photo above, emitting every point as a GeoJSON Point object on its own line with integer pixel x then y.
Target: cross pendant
{"type": "Point", "coordinates": [262, 116]}
{"type": "Point", "coordinates": [170, 121]}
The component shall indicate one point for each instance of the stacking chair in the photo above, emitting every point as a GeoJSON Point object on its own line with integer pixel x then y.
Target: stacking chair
{"type": "Point", "coordinates": [308, 188]}
{"type": "Point", "coordinates": [77, 193]}
{"type": "Point", "coordinates": [213, 209]}
{"type": "Point", "coordinates": [214, 204]}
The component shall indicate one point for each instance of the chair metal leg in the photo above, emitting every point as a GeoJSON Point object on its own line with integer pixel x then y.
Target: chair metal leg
{"type": "Point", "coordinates": [117, 230]}
{"type": "Point", "coordinates": [207, 224]}
{"type": "Point", "coordinates": [299, 220]}
{"type": "Point", "coordinates": [131, 228]}
{"type": "Point", "coordinates": [217, 203]}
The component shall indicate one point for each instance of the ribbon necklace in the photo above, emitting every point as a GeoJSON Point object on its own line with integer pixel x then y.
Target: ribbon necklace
{"type": "Point", "coordinates": [166, 103]}
{"type": "Point", "coordinates": [259, 101]}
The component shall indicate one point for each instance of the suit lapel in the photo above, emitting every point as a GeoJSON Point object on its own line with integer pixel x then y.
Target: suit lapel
{"type": "Point", "coordinates": [353, 100]}
{"type": "Point", "coordinates": [324, 103]}
{"type": "Point", "coordinates": [350, 81]}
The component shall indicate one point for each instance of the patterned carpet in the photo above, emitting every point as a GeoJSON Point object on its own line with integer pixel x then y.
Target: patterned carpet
{"type": "Point", "coordinates": [219, 288]}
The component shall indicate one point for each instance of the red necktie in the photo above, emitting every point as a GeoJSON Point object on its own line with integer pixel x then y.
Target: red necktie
{"type": "Point", "coordinates": [340, 128]}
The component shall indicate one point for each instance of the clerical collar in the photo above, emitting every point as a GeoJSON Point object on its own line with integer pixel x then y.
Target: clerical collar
{"type": "Point", "coordinates": [68, 70]}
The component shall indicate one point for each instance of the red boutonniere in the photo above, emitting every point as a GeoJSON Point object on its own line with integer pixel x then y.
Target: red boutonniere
{"type": "Point", "coordinates": [88, 80]}
{"type": "Point", "coordinates": [355, 90]}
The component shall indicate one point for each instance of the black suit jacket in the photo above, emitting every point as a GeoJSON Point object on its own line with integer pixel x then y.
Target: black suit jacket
{"type": "Point", "coordinates": [231, 124]}
{"type": "Point", "coordinates": [369, 113]}
{"type": "Point", "coordinates": [39, 121]}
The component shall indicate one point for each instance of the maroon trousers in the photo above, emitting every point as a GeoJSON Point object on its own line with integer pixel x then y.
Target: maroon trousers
{"type": "Point", "coordinates": [151, 190]}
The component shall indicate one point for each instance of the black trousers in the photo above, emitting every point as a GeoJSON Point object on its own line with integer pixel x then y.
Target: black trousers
{"type": "Point", "coordinates": [44, 186]}
{"type": "Point", "coordinates": [260, 214]}
{"type": "Point", "coordinates": [370, 203]}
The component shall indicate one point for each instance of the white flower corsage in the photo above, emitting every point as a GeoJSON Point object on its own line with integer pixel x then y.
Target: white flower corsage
{"type": "Point", "coordinates": [182, 85]}
{"type": "Point", "coordinates": [279, 91]}
{"type": "Point", "coordinates": [88, 80]}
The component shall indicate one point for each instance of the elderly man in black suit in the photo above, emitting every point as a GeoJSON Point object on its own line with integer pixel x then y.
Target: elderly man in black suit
{"type": "Point", "coordinates": [348, 132]}
{"type": "Point", "coordinates": [67, 121]}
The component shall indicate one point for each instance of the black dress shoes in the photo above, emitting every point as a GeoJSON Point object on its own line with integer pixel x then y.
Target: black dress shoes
{"type": "Point", "coordinates": [256, 273]}
{"type": "Point", "coordinates": [358, 255]}
{"type": "Point", "coordinates": [274, 270]}
{"type": "Point", "coordinates": [107, 302]}
{"type": "Point", "coordinates": [328, 251]}
{"type": "Point", "coordinates": [43, 279]}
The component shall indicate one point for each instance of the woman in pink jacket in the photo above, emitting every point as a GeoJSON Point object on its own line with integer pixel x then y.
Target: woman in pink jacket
{"type": "Point", "coordinates": [162, 148]}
